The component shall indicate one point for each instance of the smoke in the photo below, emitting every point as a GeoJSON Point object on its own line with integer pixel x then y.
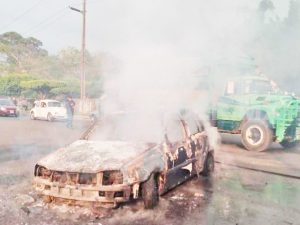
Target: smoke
{"type": "Point", "coordinates": [166, 61]}
{"type": "Point", "coordinates": [172, 53]}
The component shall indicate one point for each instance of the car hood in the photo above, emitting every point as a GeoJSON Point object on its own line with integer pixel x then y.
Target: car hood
{"type": "Point", "coordinates": [93, 156]}
{"type": "Point", "coordinates": [8, 106]}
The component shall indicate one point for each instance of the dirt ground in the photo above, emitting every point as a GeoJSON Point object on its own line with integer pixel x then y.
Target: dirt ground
{"type": "Point", "coordinates": [232, 196]}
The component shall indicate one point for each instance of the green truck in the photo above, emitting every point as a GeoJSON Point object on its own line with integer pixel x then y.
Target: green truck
{"type": "Point", "coordinates": [254, 107]}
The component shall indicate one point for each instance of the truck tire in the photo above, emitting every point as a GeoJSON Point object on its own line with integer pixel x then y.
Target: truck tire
{"type": "Point", "coordinates": [209, 165]}
{"type": "Point", "coordinates": [256, 135]}
{"type": "Point", "coordinates": [150, 192]}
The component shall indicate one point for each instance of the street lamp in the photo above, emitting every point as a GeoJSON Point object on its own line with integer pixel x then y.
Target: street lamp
{"type": "Point", "coordinates": [82, 75]}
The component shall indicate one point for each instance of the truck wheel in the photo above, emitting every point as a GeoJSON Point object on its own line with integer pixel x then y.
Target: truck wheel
{"type": "Point", "coordinates": [50, 117]}
{"type": "Point", "coordinates": [209, 165]}
{"type": "Point", "coordinates": [289, 144]}
{"type": "Point", "coordinates": [256, 135]}
{"type": "Point", "coordinates": [150, 192]}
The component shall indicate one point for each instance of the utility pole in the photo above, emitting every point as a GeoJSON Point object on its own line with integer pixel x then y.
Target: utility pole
{"type": "Point", "coordinates": [82, 72]}
{"type": "Point", "coordinates": [82, 93]}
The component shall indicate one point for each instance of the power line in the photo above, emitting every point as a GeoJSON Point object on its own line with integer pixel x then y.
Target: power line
{"type": "Point", "coordinates": [49, 24]}
{"type": "Point", "coordinates": [47, 21]}
{"type": "Point", "coordinates": [16, 19]}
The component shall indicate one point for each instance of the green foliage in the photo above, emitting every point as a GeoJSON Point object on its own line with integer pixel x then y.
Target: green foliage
{"type": "Point", "coordinates": [71, 87]}
{"type": "Point", "coordinates": [50, 75]}
{"type": "Point", "coordinates": [10, 85]}
{"type": "Point", "coordinates": [20, 52]}
{"type": "Point", "coordinates": [29, 93]}
{"type": "Point", "coordinates": [42, 87]}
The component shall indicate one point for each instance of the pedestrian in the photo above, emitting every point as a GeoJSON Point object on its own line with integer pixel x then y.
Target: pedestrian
{"type": "Point", "coordinates": [14, 100]}
{"type": "Point", "coordinates": [70, 104]}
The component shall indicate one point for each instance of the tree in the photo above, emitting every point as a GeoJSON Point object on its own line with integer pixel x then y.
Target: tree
{"type": "Point", "coordinates": [41, 87]}
{"type": "Point", "coordinates": [50, 74]}
{"type": "Point", "coordinates": [19, 52]}
{"type": "Point", "coordinates": [71, 87]}
{"type": "Point", "coordinates": [10, 85]}
{"type": "Point", "coordinates": [69, 59]}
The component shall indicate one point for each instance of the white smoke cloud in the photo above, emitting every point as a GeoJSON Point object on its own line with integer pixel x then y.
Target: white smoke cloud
{"type": "Point", "coordinates": [168, 48]}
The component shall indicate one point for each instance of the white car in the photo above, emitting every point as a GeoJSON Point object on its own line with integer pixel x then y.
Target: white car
{"type": "Point", "coordinates": [49, 110]}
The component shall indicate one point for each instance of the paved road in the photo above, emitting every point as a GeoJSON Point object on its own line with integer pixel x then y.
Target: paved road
{"type": "Point", "coordinates": [275, 160]}
{"type": "Point", "coordinates": [231, 196]}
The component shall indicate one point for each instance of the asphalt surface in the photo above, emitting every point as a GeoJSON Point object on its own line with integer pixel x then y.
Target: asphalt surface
{"type": "Point", "coordinates": [231, 196]}
{"type": "Point", "coordinates": [275, 160]}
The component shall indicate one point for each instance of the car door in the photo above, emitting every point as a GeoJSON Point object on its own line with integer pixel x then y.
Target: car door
{"type": "Point", "coordinates": [43, 110]}
{"type": "Point", "coordinates": [179, 164]}
{"type": "Point", "coordinates": [198, 142]}
{"type": "Point", "coordinates": [231, 106]}
{"type": "Point", "coordinates": [37, 109]}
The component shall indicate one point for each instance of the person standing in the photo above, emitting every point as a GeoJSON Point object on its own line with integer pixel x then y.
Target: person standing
{"type": "Point", "coordinates": [70, 104]}
{"type": "Point", "coordinates": [14, 100]}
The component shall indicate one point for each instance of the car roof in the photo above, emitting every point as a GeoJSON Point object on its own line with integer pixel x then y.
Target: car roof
{"type": "Point", "coordinates": [47, 100]}
{"type": "Point", "coordinates": [250, 77]}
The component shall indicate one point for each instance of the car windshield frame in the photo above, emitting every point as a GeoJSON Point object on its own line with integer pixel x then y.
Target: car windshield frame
{"type": "Point", "coordinates": [258, 87]}
{"type": "Point", "coordinates": [54, 104]}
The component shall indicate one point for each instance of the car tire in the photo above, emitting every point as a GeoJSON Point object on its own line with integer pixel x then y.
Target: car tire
{"type": "Point", "coordinates": [32, 116]}
{"type": "Point", "coordinates": [150, 192]}
{"type": "Point", "coordinates": [256, 135]}
{"type": "Point", "coordinates": [209, 165]}
{"type": "Point", "coordinates": [50, 117]}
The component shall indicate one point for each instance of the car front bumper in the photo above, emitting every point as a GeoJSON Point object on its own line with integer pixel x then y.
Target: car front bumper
{"type": "Point", "coordinates": [103, 195]}
{"type": "Point", "coordinates": [8, 112]}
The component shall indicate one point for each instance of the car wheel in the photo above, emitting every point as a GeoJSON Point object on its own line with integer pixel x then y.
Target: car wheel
{"type": "Point", "coordinates": [209, 165]}
{"type": "Point", "coordinates": [50, 117]}
{"type": "Point", "coordinates": [256, 135]}
{"type": "Point", "coordinates": [150, 192]}
{"type": "Point", "coordinates": [32, 116]}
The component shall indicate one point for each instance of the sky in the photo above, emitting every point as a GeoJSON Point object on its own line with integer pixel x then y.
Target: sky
{"type": "Point", "coordinates": [116, 26]}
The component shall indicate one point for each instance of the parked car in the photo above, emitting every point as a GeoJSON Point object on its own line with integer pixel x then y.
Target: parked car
{"type": "Point", "coordinates": [107, 173]}
{"type": "Point", "coordinates": [49, 110]}
{"type": "Point", "coordinates": [8, 108]}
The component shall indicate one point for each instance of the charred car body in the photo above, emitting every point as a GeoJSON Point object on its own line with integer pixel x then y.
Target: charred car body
{"type": "Point", "coordinates": [106, 173]}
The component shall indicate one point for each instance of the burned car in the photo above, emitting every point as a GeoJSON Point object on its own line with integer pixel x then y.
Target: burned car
{"type": "Point", "coordinates": [107, 173]}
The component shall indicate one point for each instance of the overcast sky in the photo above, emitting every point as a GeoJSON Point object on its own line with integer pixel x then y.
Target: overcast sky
{"type": "Point", "coordinates": [113, 25]}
